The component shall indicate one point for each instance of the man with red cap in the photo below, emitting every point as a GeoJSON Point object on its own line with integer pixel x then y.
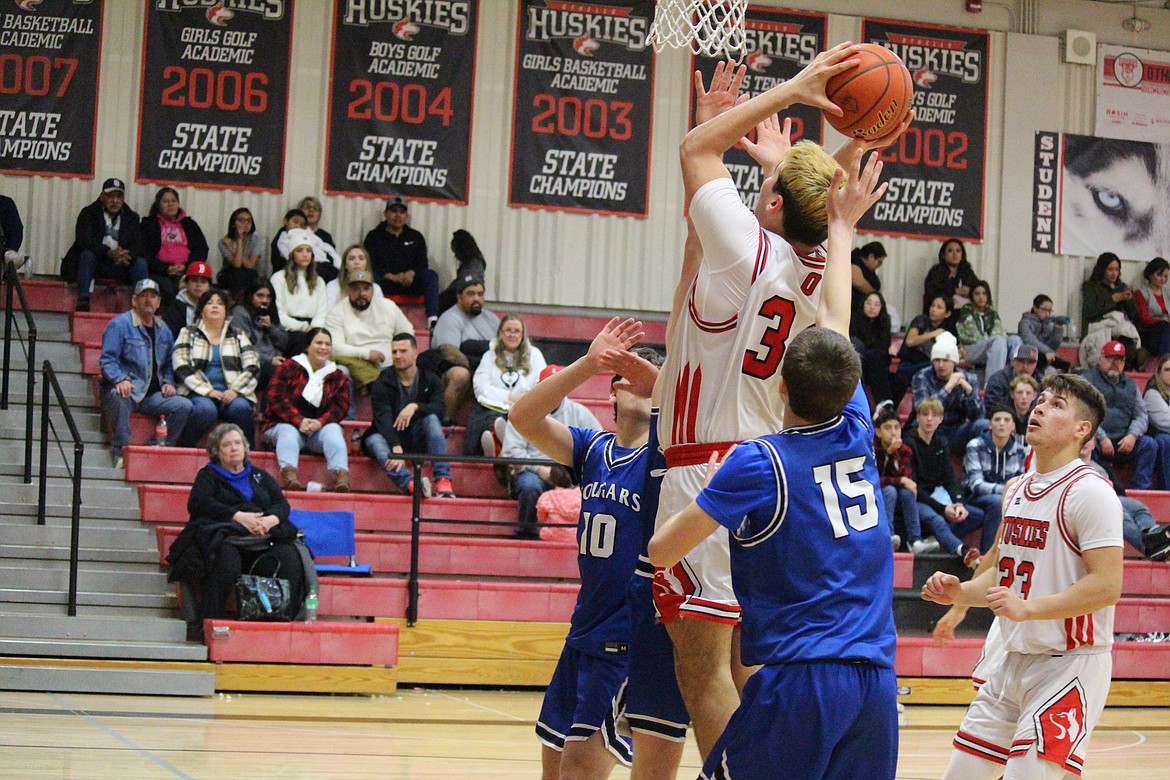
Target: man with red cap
{"type": "Point", "coordinates": [528, 482]}
{"type": "Point", "coordinates": [1122, 434]}
{"type": "Point", "coordinates": [196, 281]}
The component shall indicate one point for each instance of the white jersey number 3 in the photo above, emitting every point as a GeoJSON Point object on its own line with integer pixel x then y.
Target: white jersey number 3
{"type": "Point", "coordinates": [836, 480]}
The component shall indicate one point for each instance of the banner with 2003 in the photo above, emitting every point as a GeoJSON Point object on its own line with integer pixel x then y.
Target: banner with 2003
{"type": "Point", "coordinates": [582, 107]}
{"type": "Point", "coordinates": [400, 99]}
{"type": "Point", "coordinates": [935, 169]}
{"type": "Point", "coordinates": [49, 87]}
{"type": "Point", "coordinates": [778, 44]}
{"type": "Point", "coordinates": [215, 93]}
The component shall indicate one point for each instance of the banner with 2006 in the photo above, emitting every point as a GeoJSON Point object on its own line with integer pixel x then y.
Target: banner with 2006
{"type": "Point", "coordinates": [215, 93]}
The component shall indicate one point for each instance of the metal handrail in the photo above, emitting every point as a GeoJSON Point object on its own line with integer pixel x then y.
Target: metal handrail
{"type": "Point", "coordinates": [50, 381]}
{"type": "Point", "coordinates": [12, 284]}
{"type": "Point", "coordinates": [416, 518]}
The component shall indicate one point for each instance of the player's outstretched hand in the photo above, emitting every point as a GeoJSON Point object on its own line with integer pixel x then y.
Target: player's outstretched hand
{"type": "Point", "coordinates": [714, 462]}
{"type": "Point", "coordinates": [942, 588]}
{"type": "Point", "coordinates": [773, 141]}
{"type": "Point", "coordinates": [724, 92]}
{"type": "Point", "coordinates": [810, 82]}
{"type": "Point", "coordinates": [617, 334]}
{"type": "Point", "coordinates": [1005, 603]}
{"type": "Point", "coordinates": [637, 374]}
{"type": "Point", "coordinates": [944, 629]}
{"type": "Point", "coordinates": [848, 200]}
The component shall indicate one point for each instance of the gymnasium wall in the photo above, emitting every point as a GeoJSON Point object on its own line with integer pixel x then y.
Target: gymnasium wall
{"type": "Point", "coordinates": [573, 260]}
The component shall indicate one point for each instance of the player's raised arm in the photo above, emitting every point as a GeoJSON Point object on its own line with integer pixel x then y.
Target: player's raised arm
{"type": "Point", "coordinates": [702, 150]}
{"type": "Point", "coordinates": [846, 202]}
{"type": "Point", "coordinates": [529, 415]}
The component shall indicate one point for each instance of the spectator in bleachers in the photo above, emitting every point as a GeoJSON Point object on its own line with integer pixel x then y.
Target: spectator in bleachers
{"type": "Point", "coordinates": [398, 253]}
{"type": "Point", "coordinates": [181, 311]}
{"type": "Point", "coordinates": [529, 482]}
{"type": "Point", "coordinates": [231, 503]}
{"type": "Point", "coordinates": [997, 389]}
{"type": "Point", "coordinates": [363, 326]}
{"type": "Point", "coordinates": [951, 278]}
{"type": "Point", "coordinates": [962, 410]}
{"type": "Point", "coordinates": [1108, 311]}
{"type": "Point", "coordinates": [354, 259]}
{"type": "Point", "coordinates": [511, 366]}
{"type": "Point", "coordinates": [866, 260]}
{"type": "Point", "coordinates": [899, 490]}
{"type": "Point", "coordinates": [11, 230]}
{"type": "Point", "coordinates": [1153, 316]}
{"type": "Point", "coordinates": [170, 240]}
{"type": "Point", "coordinates": [982, 339]}
{"type": "Point", "coordinates": [470, 262]}
{"type": "Point", "coordinates": [293, 219]}
{"type": "Point", "coordinates": [992, 458]}
{"type": "Point", "coordinates": [305, 404]}
{"type": "Point", "coordinates": [1122, 434]}
{"type": "Point", "coordinates": [458, 342]}
{"type": "Point", "coordinates": [300, 292]}
{"type": "Point", "coordinates": [256, 317]}
{"type": "Point", "coordinates": [107, 243]}
{"type": "Point", "coordinates": [1157, 401]}
{"type": "Point", "coordinates": [940, 495]}
{"type": "Point", "coordinates": [869, 331]}
{"type": "Point", "coordinates": [1024, 390]}
{"type": "Point", "coordinates": [408, 412]}
{"type": "Point", "coordinates": [1136, 517]}
{"type": "Point", "coordinates": [217, 368]}
{"type": "Point", "coordinates": [311, 208]}
{"type": "Point", "coordinates": [136, 371]}
{"type": "Point", "coordinates": [241, 252]}
{"type": "Point", "coordinates": [914, 354]}
{"type": "Point", "coordinates": [1039, 329]}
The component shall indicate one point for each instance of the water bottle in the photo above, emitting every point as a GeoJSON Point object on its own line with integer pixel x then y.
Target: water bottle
{"type": "Point", "coordinates": [160, 431]}
{"type": "Point", "coordinates": [311, 607]}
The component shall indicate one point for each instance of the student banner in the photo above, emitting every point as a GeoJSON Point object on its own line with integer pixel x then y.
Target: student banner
{"type": "Point", "coordinates": [582, 107]}
{"type": "Point", "coordinates": [49, 87]}
{"type": "Point", "coordinates": [400, 99]}
{"type": "Point", "coordinates": [935, 170]}
{"type": "Point", "coordinates": [215, 93]}
{"type": "Point", "coordinates": [778, 44]}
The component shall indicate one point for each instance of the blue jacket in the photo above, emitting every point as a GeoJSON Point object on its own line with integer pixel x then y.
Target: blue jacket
{"type": "Point", "coordinates": [126, 353]}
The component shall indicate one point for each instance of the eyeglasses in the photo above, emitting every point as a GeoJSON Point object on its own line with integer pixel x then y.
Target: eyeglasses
{"type": "Point", "coordinates": [1047, 310]}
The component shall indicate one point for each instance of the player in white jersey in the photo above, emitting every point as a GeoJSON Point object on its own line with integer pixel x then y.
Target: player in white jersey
{"type": "Point", "coordinates": [756, 286]}
{"type": "Point", "coordinates": [1057, 577]}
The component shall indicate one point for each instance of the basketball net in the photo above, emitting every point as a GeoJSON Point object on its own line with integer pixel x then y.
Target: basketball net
{"type": "Point", "coordinates": [714, 28]}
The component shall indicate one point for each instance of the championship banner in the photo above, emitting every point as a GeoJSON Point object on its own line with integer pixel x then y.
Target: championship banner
{"type": "Point", "coordinates": [400, 99]}
{"type": "Point", "coordinates": [935, 169]}
{"type": "Point", "coordinates": [1094, 195]}
{"type": "Point", "coordinates": [582, 107]}
{"type": "Point", "coordinates": [779, 43]}
{"type": "Point", "coordinates": [1133, 94]}
{"type": "Point", "coordinates": [215, 93]}
{"type": "Point", "coordinates": [49, 86]}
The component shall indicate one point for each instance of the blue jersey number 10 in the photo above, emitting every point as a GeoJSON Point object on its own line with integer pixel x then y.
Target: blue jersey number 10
{"type": "Point", "coordinates": [836, 480]}
{"type": "Point", "coordinates": [597, 535]}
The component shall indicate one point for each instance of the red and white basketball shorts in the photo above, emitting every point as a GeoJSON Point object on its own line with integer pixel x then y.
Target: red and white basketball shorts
{"type": "Point", "coordinates": [1052, 701]}
{"type": "Point", "coordinates": [698, 586]}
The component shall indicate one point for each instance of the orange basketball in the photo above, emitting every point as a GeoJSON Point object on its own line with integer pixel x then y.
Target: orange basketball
{"type": "Point", "coordinates": [875, 95]}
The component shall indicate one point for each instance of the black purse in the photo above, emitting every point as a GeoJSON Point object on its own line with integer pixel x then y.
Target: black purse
{"type": "Point", "coordinates": [264, 599]}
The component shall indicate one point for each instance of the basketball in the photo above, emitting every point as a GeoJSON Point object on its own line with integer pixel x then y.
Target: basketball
{"type": "Point", "coordinates": [875, 95]}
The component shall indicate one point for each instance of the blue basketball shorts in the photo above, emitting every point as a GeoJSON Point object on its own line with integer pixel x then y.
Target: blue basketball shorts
{"type": "Point", "coordinates": [811, 720]}
{"type": "Point", "coordinates": [579, 702]}
{"type": "Point", "coordinates": [654, 704]}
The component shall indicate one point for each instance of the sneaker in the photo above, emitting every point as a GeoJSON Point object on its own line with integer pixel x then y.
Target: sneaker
{"type": "Point", "coordinates": [487, 443]}
{"type": "Point", "coordinates": [119, 461]}
{"type": "Point", "coordinates": [443, 488]}
{"type": "Point", "coordinates": [499, 428]}
{"type": "Point", "coordinates": [971, 557]}
{"type": "Point", "coordinates": [82, 303]}
{"type": "Point", "coordinates": [924, 546]}
{"type": "Point", "coordinates": [431, 323]}
{"type": "Point", "coordinates": [896, 541]}
{"type": "Point", "coordinates": [426, 487]}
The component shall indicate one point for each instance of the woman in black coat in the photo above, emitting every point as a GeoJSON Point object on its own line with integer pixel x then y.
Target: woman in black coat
{"type": "Point", "coordinates": [239, 524]}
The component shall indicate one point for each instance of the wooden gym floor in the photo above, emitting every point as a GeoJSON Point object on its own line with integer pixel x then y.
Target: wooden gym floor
{"type": "Point", "coordinates": [412, 734]}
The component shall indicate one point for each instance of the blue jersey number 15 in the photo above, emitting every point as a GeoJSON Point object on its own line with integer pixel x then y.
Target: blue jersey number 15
{"type": "Point", "coordinates": [838, 479]}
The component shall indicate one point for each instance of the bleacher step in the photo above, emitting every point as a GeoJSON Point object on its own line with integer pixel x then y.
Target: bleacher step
{"type": "Point", "coordinates": [50, 575]}
{"type": "Point", "coordinates": [87, 648]}
{"type": "Point", "coordinates": [113, 679]}
{"type": "Point", "coordinates": [48, 626]}
{"type": "Point", "coordinates": [10, 553]}
{"type": "Point", "coordinates": [323, 642]}
{"type": "Point", "coordinates": [58, 596]}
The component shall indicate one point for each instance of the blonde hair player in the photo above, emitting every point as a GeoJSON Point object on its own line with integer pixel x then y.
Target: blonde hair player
{"type": "Point", "coordinates": [1057, 576]}
{"type": "Point", "coordinates": [756, 286]}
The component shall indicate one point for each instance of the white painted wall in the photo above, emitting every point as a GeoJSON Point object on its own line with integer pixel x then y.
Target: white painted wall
{"type": "Point", "coordinates": [612, 262]}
